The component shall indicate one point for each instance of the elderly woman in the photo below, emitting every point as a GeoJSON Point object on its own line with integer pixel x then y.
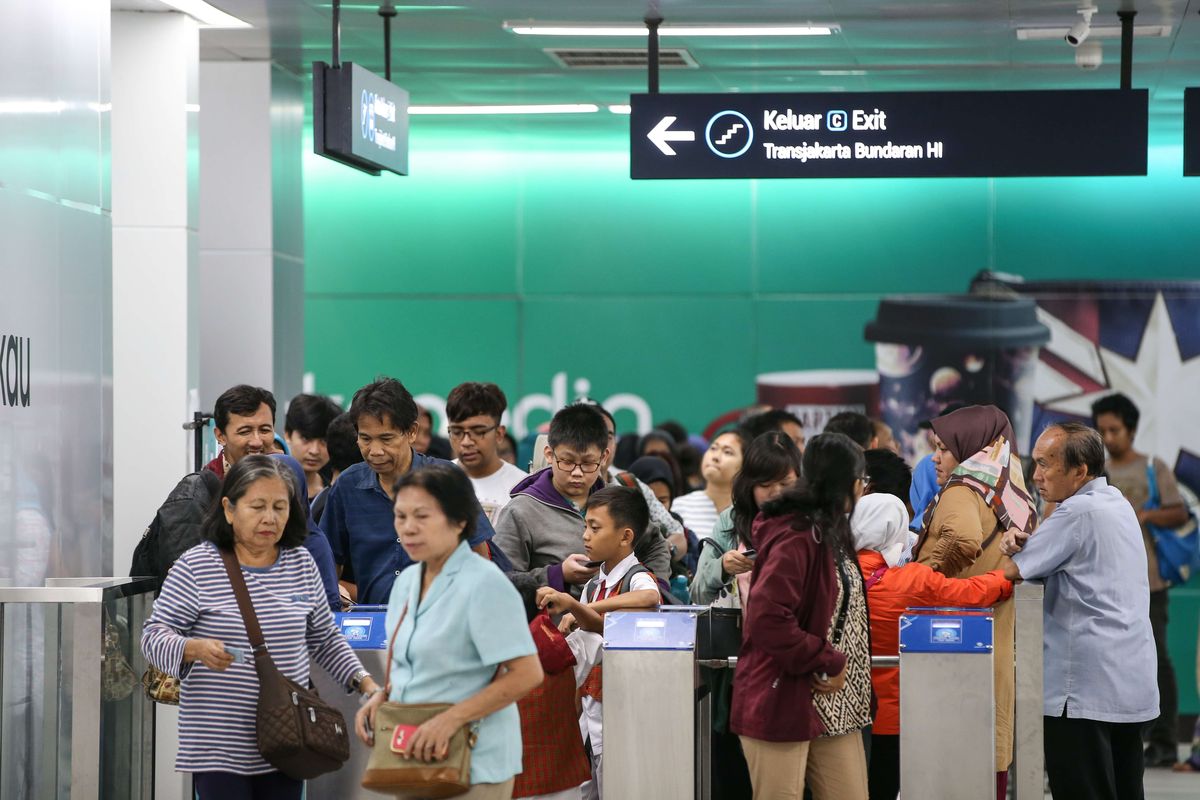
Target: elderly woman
{"type": "Point", "coordinates": [880, 528]}
{"type": "Point", "coordinates": [982, 496]}
{"type": "Point", "coordinates": [460, 631]}
{"type": "Point", "coordinates": [197, 633]}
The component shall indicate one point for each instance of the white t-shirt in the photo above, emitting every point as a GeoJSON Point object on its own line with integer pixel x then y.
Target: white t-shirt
{"type": "Point", "coordinates": [493, 490]}
{"type": "Point", "coordinates": [698, 511]}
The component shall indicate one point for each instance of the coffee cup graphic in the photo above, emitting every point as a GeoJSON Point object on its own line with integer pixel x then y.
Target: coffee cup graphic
{"type": "Point", "coordinates": [935, 350]}
{"type": "Point", "coordinates": [816, 395]}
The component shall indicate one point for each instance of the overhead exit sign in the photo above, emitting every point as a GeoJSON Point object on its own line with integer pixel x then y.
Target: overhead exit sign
{"type": "Point", "coordinates": [889, 134]}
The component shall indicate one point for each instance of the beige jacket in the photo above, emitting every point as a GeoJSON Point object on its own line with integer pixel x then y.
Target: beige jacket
{"type": "Point", "coordinates": [951, 545]}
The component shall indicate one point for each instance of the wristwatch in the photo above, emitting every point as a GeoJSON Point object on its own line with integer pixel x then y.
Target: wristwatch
{"type": "Point", "coordinates": [357, 678]}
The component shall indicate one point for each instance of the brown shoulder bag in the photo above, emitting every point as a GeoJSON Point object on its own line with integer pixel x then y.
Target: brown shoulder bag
{"type": "Point", "coordinates": [298, 733]}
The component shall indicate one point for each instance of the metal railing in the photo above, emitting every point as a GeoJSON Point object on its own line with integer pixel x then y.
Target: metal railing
{"type": "Point", "coordinates": [75, 721]}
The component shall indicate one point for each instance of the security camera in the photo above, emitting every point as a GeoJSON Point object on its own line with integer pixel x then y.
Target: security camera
{"type": "Point", "coordinates": [1080, 30]}
{"type": "Point", "coordinates": [1089, 56]}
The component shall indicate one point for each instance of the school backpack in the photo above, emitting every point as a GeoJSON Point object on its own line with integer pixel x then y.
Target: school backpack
{"type": "Point", "coordinates": [664, 589]}
{"type": "Point", "coordinates": [176, 526]}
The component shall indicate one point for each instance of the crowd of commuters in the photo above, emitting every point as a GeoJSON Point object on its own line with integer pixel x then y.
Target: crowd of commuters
{"type": "Point", "coordinates": [497, 579]}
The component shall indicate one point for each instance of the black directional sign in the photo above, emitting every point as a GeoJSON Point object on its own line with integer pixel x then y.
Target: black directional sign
{"type": "Point", "coordinates": [889, 134]}
{"type": "Point", "coordinates": [1191, 131]}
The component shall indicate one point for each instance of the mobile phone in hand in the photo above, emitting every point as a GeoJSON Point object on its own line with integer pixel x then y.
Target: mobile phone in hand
{"type": "Point", "coordinates": [593, 564]}
{"type": "Point", "coordinates": [750, 554]}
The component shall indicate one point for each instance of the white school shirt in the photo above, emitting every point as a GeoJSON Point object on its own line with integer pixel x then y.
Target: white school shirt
{"type": "Point", "coordinates": [590, 722]}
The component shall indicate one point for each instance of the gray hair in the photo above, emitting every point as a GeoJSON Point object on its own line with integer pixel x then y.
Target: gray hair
{"type": "Point", "coordinates": [1082, 447]}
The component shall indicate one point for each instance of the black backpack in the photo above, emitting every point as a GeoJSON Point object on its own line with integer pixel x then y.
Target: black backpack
{"type": "Point", "coordinates": [176, 526]}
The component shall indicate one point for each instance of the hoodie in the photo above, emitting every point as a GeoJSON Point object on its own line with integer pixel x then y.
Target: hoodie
{"type": "Point", "coordinates": [539, 528]}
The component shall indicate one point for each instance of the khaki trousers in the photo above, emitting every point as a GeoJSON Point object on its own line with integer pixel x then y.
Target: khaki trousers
{"type": "Point", "coordinates": [835, 768]}
{"type": "Point", "coordinates": [490, 791]}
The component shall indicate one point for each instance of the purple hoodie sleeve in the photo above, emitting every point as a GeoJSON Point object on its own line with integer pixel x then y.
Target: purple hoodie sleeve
{"type": "Point", "coordinates": [554, 577]}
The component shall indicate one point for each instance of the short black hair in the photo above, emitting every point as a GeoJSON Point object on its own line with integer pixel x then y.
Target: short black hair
{"type": "Point", "coordinates": [857, 426]}
{"type": "Point", "coordinates": [626, 506]}
{"type": "Point", "coordinates": [385, 399]}
{"type": "Point", "coordinates": [676, 429]}
{"type": "Point", "coordinates": [452, 490]}
{"type": "Point", "coordinates": [309, 415]}
{"type": "Point", "coordinates": [889, 473]}
{"type": "Point", "coordinates": [242, 400]}
{"type": "Point", "coordinates": [607, 414]}
{"type": "Point", "coordinates": [475, 400]}
{"type": "Point", "coordinates": [578, 426]}
{"type": "Point", "coordinates": [1081, 447]}
{"type": "Point", "coordinates": [1120, 405]}
{"type": "Point", "coordinates": [774, 420]}
{"type": "Point", "coordinates": [341, 440]}
{"type": "Point", "coordinates": [238, 480]}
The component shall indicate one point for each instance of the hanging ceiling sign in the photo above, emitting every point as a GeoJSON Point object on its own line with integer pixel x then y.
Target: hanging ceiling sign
{"type": "Point", "coordinates": [1191, 132]}
{"type": "Point", "coordinates": [359, 119]}
{"type": "Point", "coordinates": [889, 134]}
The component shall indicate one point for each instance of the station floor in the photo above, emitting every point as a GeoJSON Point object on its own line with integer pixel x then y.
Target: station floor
{"type": "Point", "coordinates": [1162, 784]}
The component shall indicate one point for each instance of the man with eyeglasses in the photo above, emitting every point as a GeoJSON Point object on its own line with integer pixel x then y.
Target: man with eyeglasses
{"type": "Point", "coordinates": [474, 411]}
{"type": "Point", "coordinates": [541, 528]}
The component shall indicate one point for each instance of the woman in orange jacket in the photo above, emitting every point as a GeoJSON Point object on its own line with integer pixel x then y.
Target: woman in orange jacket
{"type": "Point", "coordinates": [880, 529]}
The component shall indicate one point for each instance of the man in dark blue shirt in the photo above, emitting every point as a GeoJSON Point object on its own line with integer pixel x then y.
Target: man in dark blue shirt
{"type": "Point", "coordinates": [358, 517]}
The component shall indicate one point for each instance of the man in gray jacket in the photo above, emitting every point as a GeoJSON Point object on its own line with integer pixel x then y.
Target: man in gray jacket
{"type": "Point", "coordinates": [541, 529]}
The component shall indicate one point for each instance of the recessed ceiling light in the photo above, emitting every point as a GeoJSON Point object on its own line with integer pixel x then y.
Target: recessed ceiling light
{"type": "Point", "coordinates": [840, 72]}
{"type": "Point", "coordinates": [1097, 32]}
{"type": "Point", "coordinates": [562, 29]}
{"type": "Point", "coordinates": [564, 108]}
{"type": "Point", "coordinates": [621, 108]}
{"type": "Point", "coordinates": [207, 15]}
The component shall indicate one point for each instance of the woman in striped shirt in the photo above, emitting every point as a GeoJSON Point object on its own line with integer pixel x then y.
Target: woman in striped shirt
{"type": "Point", "coordinates": [197, 633]}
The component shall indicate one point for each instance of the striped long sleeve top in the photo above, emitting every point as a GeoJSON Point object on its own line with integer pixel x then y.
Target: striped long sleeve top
{"type": "Point", "coordinates": [217, 709]}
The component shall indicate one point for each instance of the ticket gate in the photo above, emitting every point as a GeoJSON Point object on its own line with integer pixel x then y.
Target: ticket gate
{"type": "Point", "coordinates": [364, 628]}
{"type": "Point", "coordinates": [947, 710]}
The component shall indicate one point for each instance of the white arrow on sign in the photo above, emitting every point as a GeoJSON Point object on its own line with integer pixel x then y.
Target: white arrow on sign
{"type": "Point", "coordinates": [660, 136]}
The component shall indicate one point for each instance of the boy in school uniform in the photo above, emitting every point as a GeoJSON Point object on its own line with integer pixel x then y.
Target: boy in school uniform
{"type": "Point", "coordinates": [617, 516]}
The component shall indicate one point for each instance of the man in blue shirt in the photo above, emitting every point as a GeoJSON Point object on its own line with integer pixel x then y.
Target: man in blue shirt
{"type": "Point", "coordinates": [358, 518]}
{"type": "Point", "coordinates": [1099, 659]}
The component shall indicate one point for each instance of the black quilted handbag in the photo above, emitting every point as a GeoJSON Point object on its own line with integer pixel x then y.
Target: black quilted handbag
{"type": "Point", "coordinates": [298, 733]}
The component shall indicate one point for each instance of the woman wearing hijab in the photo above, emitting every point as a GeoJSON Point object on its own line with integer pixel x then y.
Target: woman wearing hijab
{"type": "Point", "coordinates": [315, 542]}
{"type": "Point", "coordinates": [880, 529]}
{"type": "Point", "coordinates": [982, 495]}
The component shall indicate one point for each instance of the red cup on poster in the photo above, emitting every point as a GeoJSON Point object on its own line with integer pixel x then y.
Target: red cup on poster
{"type": "Point", "coordinates": [817, 395]}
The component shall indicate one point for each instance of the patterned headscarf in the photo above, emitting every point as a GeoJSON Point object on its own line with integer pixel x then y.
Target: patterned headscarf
{"type": "Point", "coordinates": [981, 439]}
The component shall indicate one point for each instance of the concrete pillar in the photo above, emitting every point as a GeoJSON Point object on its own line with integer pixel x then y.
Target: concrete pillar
{"type": "Point", "coordinates": [155, 59]}
{"type": "Point", "coordinates": [251, 229]}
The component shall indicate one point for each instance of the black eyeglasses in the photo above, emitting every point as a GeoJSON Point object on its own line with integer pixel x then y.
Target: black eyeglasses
{"type": "Point", "coordinates": [586, 467]}
{"type": "Point", "coordinates": [476, 433]}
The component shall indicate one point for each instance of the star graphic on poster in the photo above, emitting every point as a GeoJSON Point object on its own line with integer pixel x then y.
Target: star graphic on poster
{"type": "Point", "coordinates": [1162, 385]}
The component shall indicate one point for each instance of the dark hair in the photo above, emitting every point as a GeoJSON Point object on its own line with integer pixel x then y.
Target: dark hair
{"type": "Point", "coordinates": [675, 429]}
{"type": "Point", "coordinates": [626, 506]}
{"type": "Point", "coordinates": [452, 490]}
{"type": "Point", "coordinates": [832, 463]}
{"type": "Point", "coordinates": [889, 473]}
{"type": "Point", "coordinates": [857, 426]}
{"type": "Point", "coordinates": [242, 400]}
{"type": "Point", "coordinates": [512, 442]}
{"type": "Point", "coordinates": [237, 482]}
{"type": "Point", "coordinates": [1120, 405]}
{"type": "Point", "coordinates": [604, 411]}
{"type": "Point", "coordinates": [475, 399]}
{"type": "Point", "coordinates": [578, 426]}
{"type": "Point", "coordinates": [385, 399]}
{"type": "Point", "coordinates": [769, 458]}
{"type": "Point", "coordinates": [1082, 447]}
{"type": "Point", "coordinates": [310, 415]}
{"type": "Point", "coordinates": [656, 435]}
{"type": "Point", "coordinates": [774, 420]}
{"type": "Point", "coordinates": [341, 439]}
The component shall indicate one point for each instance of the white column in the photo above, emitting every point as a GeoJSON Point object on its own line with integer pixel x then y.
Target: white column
{"type": "Point", "coordinates": [155, 59]}
{"type": "Point", "coordinates": [251, 229]}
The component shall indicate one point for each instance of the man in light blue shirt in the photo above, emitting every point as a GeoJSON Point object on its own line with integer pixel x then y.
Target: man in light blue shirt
{"type": "Point", "coordinates": [1099, 659]}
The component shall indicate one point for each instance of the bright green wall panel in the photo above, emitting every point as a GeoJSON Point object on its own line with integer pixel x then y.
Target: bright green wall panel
{"type": "Point", "coordinates": [449, 228]}
{"type": "Point", "coordinates": [430, 345]}
{"type": "Point", "coordinates": [879, 235]}
{"type": "Point", "coordinates": [1182, 639]}
{"type": "Point", "coordinates": [588, 224]}
{"type": "Point", "coordinates": [1102, 228]}
{"type": "Point", "coordinates": [814, 333]}
{"type": "Point", "coordinates": [688, 358]}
